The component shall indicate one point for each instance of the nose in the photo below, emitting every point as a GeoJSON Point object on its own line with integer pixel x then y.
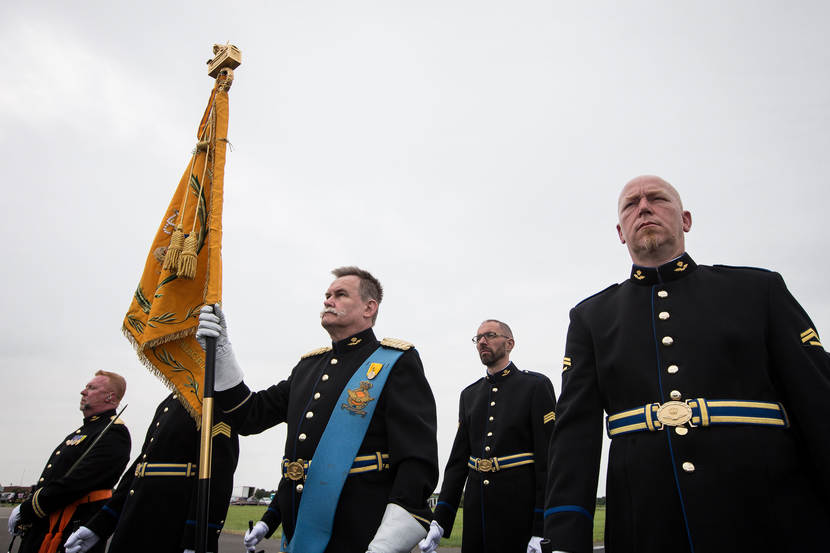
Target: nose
{"type": "Point", "coordinates": [329, 302]}
{"type": "Point", "coordinates": [644, 205]}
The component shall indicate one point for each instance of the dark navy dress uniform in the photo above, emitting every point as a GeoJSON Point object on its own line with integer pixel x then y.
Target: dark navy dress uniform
{"type": "Point", "coordinates": [88, 485]}
{"type": "Point", "coordinates": [500, 451]}
{"type": "Point", "coordinates": [401, 436]}
{"type": "Point", "coordinates": [154, 505]}
{"type": "Point", "coordinates": [714, 382]}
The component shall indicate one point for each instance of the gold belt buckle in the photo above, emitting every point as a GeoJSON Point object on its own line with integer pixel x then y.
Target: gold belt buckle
{"type": "Point", "coordinates": [674, 413]}
{"type": "Point", "coordinates": [485, 465]}
{"type": "Point", "coordinates": [294, 470]}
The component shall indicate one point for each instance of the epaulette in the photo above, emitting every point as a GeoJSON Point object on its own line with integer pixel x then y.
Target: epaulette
{"type": "Point", "coordinates": [117, 421]}
{"type": "Point", "coordinates": [598, 293]}
{"type": "Point", "coordinates": [394, 343]}
{"type": "Point", "coordinates": [742, 267]}
{"type": "Point", "coordinates": [316, 352]}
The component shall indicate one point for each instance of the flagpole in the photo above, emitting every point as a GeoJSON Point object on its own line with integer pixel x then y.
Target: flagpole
{"type": "Point", "coordinates": [205, 453]}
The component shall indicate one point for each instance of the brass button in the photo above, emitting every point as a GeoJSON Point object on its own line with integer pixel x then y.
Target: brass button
{"type": "Point", "coordinates": [673, 369]}
{"type": "Point", "coordinates": [158, 423]}
{"type": "Point", "coordinates": [175, 396]}
{"type": "Point", "coordinates": [132, 492]}
{"type": "Point", "coordinates": [662, 294]}
{"type": "Point", "coordinates": [664, 315]}
{"type": "Point", "coordinates": [333, 361]}
{"type": "Point", "coordinates": [41, 480]}
{"type": "Point", "coordinates": [299, 488]}
{"type": "Point", "coordinates": [144, 456]}
{"type": "Point", "coordinates": [489, 434]}
{"type": "Point", "coordinates": [675, 395]}
{"type": "Point", "coordinates": [681, 430]}
{"type": "Point", "coordinates": [49, 466]}
{"type": "Point", "coordinates": [486, 482]}
{"type": "Point", "coordinates": [309, 415]}
{"type": "Point", "coordinates": [667, 340]}
{"type": "Point", "coordinates": [325, 377]}
{"type": "Point", "coordinates": [491, 419]}
{"type": "Point", "coordinates": [301, 437]}
{"type": "Point", "coordinates": [487, 448]}
{"type": "Point", "coordinates": [317, 395]}
{"type": "Point", "coordinates": [58, 452]}
{"type": "Point", "coordinates": [492, 403]}
{"type": "Point", "coordinates": [495, 389]}
{"type": "Point", "coordinates": [166, 409]}
{"type": "Point", "coordinates": [688, 467]}
{"type": "Point", "coordinates": [78, 431]}
{"type": "Point", "coordinates": [151, 439]}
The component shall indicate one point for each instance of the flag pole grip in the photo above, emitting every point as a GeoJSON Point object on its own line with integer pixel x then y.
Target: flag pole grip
{"type": "Point", "coordinates": [203, 489]}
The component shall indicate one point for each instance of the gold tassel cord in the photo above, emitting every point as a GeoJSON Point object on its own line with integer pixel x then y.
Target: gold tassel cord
{"type": "Point", "coordinates": [188, 257]}
{"type": "Point", "coordinates": [171, 258]}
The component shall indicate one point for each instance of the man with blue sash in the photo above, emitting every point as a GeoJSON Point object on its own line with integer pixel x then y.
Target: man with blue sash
{"type": "Point", "coordinates": [361, 457]}
{"type": "Point", "coordinates": [713, 382]}
{"type": "Point", "coordinates": [499, 456]}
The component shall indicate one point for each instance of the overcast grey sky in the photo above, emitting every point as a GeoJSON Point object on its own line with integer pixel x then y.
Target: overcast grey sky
{"type": "Point", "coordinates": [468, 153]}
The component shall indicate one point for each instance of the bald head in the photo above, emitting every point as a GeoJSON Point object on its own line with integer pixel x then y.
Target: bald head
{"type": "Point", "coordinates": [652, 221]}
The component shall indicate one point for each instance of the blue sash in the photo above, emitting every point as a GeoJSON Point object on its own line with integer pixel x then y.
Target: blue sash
{"type": "Point", "coordinates": [336, 451]}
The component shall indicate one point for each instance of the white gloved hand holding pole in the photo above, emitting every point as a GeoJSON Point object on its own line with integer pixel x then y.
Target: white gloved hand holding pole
{"type": "Point", "coordinates": [212, 324]}
{"type": "Point", "coordinates": [430, 543]}
{"type": "Point", "coordinates": [534, 545]}
{"type": "Point", "coordinates": [255, 535]}
{"type": "Point", "coordinates": [82, 540]}
{"type": "Point", "coordinates": [14, 518]}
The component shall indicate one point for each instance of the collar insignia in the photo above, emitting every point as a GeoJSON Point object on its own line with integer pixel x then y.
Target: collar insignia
{"type": "Point", "coordinates": [354, 341]}
{"type": "Point", "coordinates": [505, 372]}
{"type": "Point", "coordinates": [75, 440]}
{"type": "Point", "coordinates": [680, 267]}
{"type": "Point", "coordinates": [810, 337]}
{"type": "Point", "coordinates": [638, 274]}
{"type": "Point", "coordinates": [358, 399]}
{"type": "Point", "coordinates": [373, 371]}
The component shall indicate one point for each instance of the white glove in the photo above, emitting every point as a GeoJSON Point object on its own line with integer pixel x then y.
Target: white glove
{"type": "Point", "coordinates": [534, 545]}
{"type": "Point", "coordinates": [82, 540]}
{"type": "Point", "coordinates": [255, 535]}
{"type": "Point", "coordinates": [212, 324]}
{"type": "Point", "coordinates": [398, 532]}
{"type": "Point", "coordinates": [430, 543]}
{"type": "Point", "coordinates": [14, 517]}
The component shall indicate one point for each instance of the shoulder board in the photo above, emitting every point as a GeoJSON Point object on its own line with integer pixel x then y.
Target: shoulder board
{"type": "Point", "coordinates": [742, 267]}
{"type": "Point", "coordinates": [117, 421]}
{"type": "Point", "coordinates": [394, 343]}
{"type": "Point", "coordinates": [316, 352]}
{"type": "Point", "coordinates": [598, 293]}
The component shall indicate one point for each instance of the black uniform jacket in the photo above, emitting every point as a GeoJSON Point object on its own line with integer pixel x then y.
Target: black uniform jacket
{"type": "Point", "coordinates": [683, 331]}
{"type": "Point", "coordinates": [500, 415]}
{"type": "Point", "coordinates": [99, 470]}
{"type": "Point", "coordinates": [403, 426]}
{"type": "Point", "coordinates": [158, 513]}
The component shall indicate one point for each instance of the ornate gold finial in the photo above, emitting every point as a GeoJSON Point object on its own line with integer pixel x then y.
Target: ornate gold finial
{"type": "Point", "coordinates": [224, 56]}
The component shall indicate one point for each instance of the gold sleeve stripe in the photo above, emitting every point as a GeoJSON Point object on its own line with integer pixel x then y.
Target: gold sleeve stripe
{"type": "Point", "coordinates": [241, 403]}
{"type": "Point", "coordinates": [36, 504]}
{"type": "Point", "coordinates": [221, 428]}
{"type": "Point", "coordinates": [422, 519]}
{"type": "Point", "coordinates": [549, 417]}
{"type": "Point", "coordinates": [810, 336]}
{"type": "Point", "coordinates": [566, 363]}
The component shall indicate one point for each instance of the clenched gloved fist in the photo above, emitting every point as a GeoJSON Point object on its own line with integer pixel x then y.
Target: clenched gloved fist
{"type": "Point", "coordinates": [255, 535]}
{"type": "Point", "coordinates": [212, 324]}
{"type": "Point", "coordinates": [82, 540]}
{"type": "Point", "coordinates": [430, 543]}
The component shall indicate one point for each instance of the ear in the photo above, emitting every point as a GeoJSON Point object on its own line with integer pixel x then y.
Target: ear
{"type": "Point", "coordinates": [619, 233]}
{"type": "Point", "coordinates": [687, 221]}
{"type": "Point", "coordinates": [509, 344]}
{"type": "Point", "coordinates": [371, 309]}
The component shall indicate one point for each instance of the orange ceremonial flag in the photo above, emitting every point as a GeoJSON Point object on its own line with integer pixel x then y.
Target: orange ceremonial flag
{"type": "Point", "coordinates": [183, 271]}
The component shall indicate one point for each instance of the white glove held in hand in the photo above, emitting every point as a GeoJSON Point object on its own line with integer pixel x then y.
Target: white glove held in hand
{"type": "Point", "coordinates": [212, 324]}
{"type": "Point", "coordinates": [398, 531]}
{"type": "Point", "coordinates": [430, 543]}
{"type": "Point", "coordinates": [255, 535]}
{"type": "Point", "coordinates": [14, 517]}
{"type": "Point", "coordinates": [534, 545]}
{"type": "Point", "coordinates": [82, 540]}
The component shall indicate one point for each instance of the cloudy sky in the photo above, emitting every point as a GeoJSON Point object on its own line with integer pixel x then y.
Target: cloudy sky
{"type": "Point", "coordinates": [469, 153]}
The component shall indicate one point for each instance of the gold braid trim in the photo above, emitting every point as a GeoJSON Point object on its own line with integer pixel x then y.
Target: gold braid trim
{"type": "Point", "coordinates": [395, 343]}
{"type": "Point", "coordinates": [316, 352]}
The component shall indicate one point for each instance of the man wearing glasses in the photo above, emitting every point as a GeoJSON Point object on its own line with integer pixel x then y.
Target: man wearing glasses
{"type": "Point", "coordinates": [500, 450]}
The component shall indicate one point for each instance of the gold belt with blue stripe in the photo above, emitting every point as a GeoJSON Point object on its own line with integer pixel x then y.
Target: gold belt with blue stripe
{"type": "Point", "coordinates": [376, 462]}
{"type": "Point", "coordinates": [696, 412]}
{"type": "Point", "coordinates": [166, 469]}
{"type": "Point", "coordinates": [495, 464]}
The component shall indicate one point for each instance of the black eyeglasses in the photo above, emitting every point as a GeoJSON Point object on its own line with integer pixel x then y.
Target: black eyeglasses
{"type": "Point", "coordinates": [487, 336]}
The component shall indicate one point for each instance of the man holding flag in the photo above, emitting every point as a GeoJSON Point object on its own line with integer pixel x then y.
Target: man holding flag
{"type": "Point", "coordinates": [361, 453]}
